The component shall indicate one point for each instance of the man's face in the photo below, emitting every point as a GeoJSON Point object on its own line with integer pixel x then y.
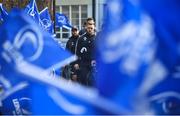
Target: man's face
{"type": "Point", "coordinates": [91, 29]}
{"type": "Point", "coordinates": [75, 32]}
{"type": "Point", "coordinates": [90, 22]}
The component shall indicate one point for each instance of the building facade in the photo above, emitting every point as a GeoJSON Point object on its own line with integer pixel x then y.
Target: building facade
{"type": "Point", "coordinates": [78, 11]}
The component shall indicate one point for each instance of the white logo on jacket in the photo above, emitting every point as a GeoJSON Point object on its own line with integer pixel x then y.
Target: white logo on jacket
{"type": "Point", "coordinates": [83, 49]}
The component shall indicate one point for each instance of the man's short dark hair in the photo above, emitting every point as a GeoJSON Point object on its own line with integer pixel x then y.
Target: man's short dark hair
{"type": "Point", "coordinates": [74, 29]}
{"type": "Point", "coordinates": [90, 19]}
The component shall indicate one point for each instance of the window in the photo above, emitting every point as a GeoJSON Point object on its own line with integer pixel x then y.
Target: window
{"type": "Point", "coordinates": [57, 35]}
{"type": "Point", "coordinates": [65, 33]}
{"type": "Point", "coordinates": [77, 14]}
{"type": "Point", "coordinates": [83, 14]}
{"type": "Point", "coordinates": [65, 10]}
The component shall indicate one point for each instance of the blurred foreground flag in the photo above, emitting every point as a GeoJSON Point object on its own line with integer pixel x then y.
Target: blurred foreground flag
{"type": "Point", "coordinates": [3, 13]}
{"type": "Point", "coordinates": [25, 42]}
{"type": "Point", "coordinates": [140, 56]}
{"type": "Point", "coordinates": [165, 94]}
{"type": "Point", "coordinates": [0, 17]}
{"type": "Point", "coordinates": [61, 98]}
{"type": "Point", "coordinates": [26, 88]}
{"type": "Point", "coordinates": [32, 10]}
{"type": "Point", "coordinates": [36, 46]}
{"type": "Point", "coordinates": [15, 94]}
{"type": "Point", "coordinates": [29, 92]}
{"type": "Point", "coordinates": [46, 21]}
{"type": "Point", "coordinates": [62, 21]}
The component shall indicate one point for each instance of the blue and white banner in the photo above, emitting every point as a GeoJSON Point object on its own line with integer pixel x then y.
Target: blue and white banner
{"type": "Point", "coordinates": [164, 93]}
{"type": "Point", "coordinates": [36, 47]}
{"type": "Point", "coordinates": [25, 43]}
{"type": "Point", "coordinates": [32, 10]}
{"type": "Point", "coordinates": [3, 13]}
{"type": "Point", "coordinates": [46, 21]}
{"type": "Point", "coordinates": [140, 54]}
{"type": "Point", "coordinates": [15, 92]}
{"type": "Point", "coordinates": [27, 88]}
{"type": "Point", "coordinates": [62, 21]}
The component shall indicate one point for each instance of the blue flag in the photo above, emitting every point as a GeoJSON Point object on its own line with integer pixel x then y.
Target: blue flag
{"type": "Point", "coordinates": [62, 21]}
{"type": "Point", "coordinates": [25, 42]}
{"type": "Point", "coordinates": [3, 13]}
{"type": "Point", "coordinates": [32, 10]}
{"type": "Point", "coordinates": [65, 99]}
{"type": "Point", "coordinates": [37, 47]}
{"type": "Point", "coordinates": [140, 55]}
{"type": "Point", "coordinates": [32, 93]}
{"type": "Point", "coordinates": [46, 21]}
{"type": "Point", "coordinates": [0, 17]}
{"type": "Point", "coordinates": [165, 95]}
{"type": "Point", "coordinates": [28, 89]}
{"type": "Point", "coordinates": [15, 92]}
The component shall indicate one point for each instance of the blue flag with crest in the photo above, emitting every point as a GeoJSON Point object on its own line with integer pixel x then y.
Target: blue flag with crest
{"type": "Point", "coordinates": [28, 89]}
{"type": "Point", "coordinates": [32, 10]}
{"type": "Point", "coordinates": [3, 13]}
{"type": "Point", "coordinates": [32, 94]}
{"type": "Point", "coordinates": [165, 95]}
{"type": "Point", "coordinates": [25, 42]}
{"type": "Point", "coordinates": [62, 21]}
{"type": "Point", "coordinates": [36, 46]}
{"type": "Point", "coordinates": [46, 21]}
{"type": "Point", "coordinates": [140, 56]}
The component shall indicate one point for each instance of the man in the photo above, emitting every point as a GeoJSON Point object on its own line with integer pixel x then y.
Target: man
{"type": "Point", "coordinates": [71, 43]}
{"type": "Point", "coordinates": [85, 53]}
{"type": "Point", "coordinates": [89, 21]}
{"type": "Point", "coordinates": [72, 70]}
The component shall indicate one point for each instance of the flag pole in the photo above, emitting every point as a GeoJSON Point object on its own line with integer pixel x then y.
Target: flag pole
{"type": "Point", "coordinates": [54, 11]}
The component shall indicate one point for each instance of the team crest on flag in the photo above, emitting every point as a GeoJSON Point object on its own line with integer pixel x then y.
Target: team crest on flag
{"type": "Point", "coordinates": [32, 10]}
{"type": "Point", "coordinates": [62, 21]}
{"type": "Point", "coordinates": [46, 21]}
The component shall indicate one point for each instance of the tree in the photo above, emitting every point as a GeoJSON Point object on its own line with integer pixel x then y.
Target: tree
{"type": "Point", "coordinates": [9, 4]}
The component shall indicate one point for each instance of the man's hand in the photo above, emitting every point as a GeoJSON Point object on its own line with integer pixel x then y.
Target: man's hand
{"type": "Point", "coordinates": [76, 66]}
